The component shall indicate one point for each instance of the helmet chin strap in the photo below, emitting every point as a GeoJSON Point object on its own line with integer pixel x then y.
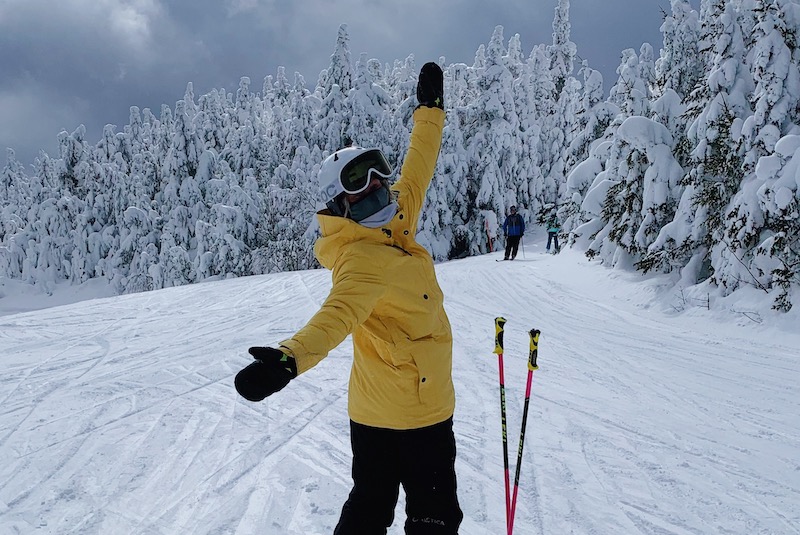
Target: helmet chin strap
{"type": "Point", "coordinates": [338, 207]}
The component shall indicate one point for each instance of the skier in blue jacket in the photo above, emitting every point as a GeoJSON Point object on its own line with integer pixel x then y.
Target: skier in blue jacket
{"type": "Point", "coordinates": [513, 230]}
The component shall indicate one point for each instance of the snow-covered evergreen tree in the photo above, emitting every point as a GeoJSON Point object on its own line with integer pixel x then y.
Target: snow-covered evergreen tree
{"type": "Point", "coordinates": [514, 59]}
{"type": "Point", "coordinates": [303, 108]}
{"type": "Point", "coordinates": [73, 150]}
{"type": "Point", "coordinates": [370, 109]}
{"type": "Point", "coordinates": [680, 65]}
{"type": "Point", "coordinates": [226, 185]}
{"type": "Point", "coordinates": [526, 178]}
{"type": "Point", "coordinates": [559, 128]}
{"type": "Point", "coordinates": [759, 245]}
{"type": "Point", "coordinates": [562, 52]}
{"type": "Point", "coordinates": [490, 139]}
{"type": "Point", "coordinates": [640, 176]}
{"type": "Point", "coordinates": [777, 256]}
{"type": "Point", "coordinates": [593, 117]}
{"type": "Point", "coordinates": [209, 121]}
{"type": "Point", "coordinates": [340, 71]}
{"type": "Point", "coordinates": [774, 66]}
{"type": "Point", "coordinates": [542, 187]}
{"type": "Point", "coordinates": [12, 178]}
{"type": "Point", "coordinates": [17, 195]}
{"type": "Point", "coordinates": [631, 93]}
{"type": "Point", "coordinates": [182, 199]}
{"type": "Point", "coordinates": [718, 106]}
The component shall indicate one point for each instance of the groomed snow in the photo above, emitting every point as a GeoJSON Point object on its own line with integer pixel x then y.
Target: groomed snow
{"type": "Point", "coordinates": [118, 415]}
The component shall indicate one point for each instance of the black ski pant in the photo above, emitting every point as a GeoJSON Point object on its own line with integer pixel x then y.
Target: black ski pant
{"type": "Point", "coordinates": [422, 460]}
{"type": "Point", "coordinates": [512, 245]}
{"type": "Point", "coordinates": [553, 237]}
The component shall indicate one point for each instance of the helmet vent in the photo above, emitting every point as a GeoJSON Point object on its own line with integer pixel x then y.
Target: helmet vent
{"type": "Point", "coordinates": [335, 157]}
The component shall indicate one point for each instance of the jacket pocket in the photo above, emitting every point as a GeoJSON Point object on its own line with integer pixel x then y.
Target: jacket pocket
{"type": "Point", "coordinates": [434, 367]}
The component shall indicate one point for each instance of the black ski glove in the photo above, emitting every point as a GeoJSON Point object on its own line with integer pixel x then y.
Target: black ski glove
{"type": "Point", "coordinates": [430, 86]}
{"type": "Point", "coordinates": [271, 370]}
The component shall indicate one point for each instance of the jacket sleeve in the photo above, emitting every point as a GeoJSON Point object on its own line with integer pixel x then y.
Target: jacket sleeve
{"type": "Point", "coordinates": [420, 160]}
{"type": "Point", "coordinates": [505, 226]}
{"type": "Point", "coordinates": [357, 287]}
{"type": "Point", "coordinates": [522, 225]}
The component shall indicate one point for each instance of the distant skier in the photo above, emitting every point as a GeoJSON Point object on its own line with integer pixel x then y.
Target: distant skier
{"type": "Point", "coordinates": [513, 230]}
{"type": "Point", "coordinates": [553, 227]}
{"type": "Point", "coordinates": [385, 292]}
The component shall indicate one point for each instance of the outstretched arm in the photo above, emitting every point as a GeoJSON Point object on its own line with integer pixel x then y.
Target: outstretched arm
{"type": "Point", "coordinates": [357, 285]}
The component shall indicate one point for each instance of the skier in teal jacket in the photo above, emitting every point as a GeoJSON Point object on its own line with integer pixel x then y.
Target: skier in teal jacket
{"type": "Point", "coordinates": [553, 227]}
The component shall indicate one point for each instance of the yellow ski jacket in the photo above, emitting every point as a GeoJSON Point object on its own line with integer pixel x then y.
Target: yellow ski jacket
{"type": "Point", "coordinates": [385, 293]}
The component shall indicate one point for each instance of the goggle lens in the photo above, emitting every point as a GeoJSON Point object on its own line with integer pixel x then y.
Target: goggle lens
{"type": "Point", "coordinates": [357, 174]}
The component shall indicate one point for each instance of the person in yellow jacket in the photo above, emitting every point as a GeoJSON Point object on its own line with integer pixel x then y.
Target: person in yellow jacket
{"type": "Point", "coordinates": [401, 396]}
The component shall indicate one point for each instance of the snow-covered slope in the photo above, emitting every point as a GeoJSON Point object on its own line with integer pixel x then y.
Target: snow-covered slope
{"type": "Point", "coordinates": [119, 416]}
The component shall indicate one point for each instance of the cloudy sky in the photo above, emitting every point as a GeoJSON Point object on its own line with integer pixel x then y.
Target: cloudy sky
{"type": "Point", "coordinates": [70, 62]}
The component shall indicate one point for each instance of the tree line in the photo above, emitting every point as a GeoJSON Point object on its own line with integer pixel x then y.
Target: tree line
{"type": "Point", "coordinates": [686, 166]}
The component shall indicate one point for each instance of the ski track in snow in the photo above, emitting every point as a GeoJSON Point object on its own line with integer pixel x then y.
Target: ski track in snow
{"type": "Point", "coordinates": [119, 415]}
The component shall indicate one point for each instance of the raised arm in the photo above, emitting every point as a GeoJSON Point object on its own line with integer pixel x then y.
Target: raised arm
{"type": "Point", "coordinates": [426, 139]}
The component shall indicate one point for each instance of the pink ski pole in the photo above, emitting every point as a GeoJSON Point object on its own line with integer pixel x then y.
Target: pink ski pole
{"type": "Point", "coordinates": [534, 350]}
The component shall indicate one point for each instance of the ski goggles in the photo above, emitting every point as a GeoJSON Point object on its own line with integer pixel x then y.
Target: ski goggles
{"type": "Point", "coordinates": [356, 175]}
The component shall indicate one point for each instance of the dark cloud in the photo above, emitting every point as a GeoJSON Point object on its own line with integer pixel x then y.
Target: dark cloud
{"type": "Point", "coordinates": [601, 32]}
{"type": "Point", "coordinates": [87, 61]}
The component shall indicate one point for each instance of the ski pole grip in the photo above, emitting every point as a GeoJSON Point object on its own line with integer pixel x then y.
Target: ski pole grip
{"type": "Point", "coordinates": [499, 323]}
{"type": "Point", "coordinates": [534, 349]}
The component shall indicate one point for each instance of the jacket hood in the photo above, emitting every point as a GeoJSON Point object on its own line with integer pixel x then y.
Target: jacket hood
{"type": "Point", "coordinates": [337, 232]}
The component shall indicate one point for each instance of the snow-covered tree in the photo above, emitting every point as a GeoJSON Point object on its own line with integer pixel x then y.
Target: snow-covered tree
{"type": "Point", "coordinates": [583, 164]}
{"type": "Point", "coordinates": [717, 106]}
{"type": "Point", "coordinates": [777, 256]}
{"type": "Point", "coordinates": [759, 244]}
{"type": "Point", "coordinates": [12, 178]}
{"type": "Point", "coordinates": [340, 71]}
{"type": "Point", "coordinates": [514, 59]}
{"type": "Point", "coordinates": [490, 138]}
{"type": "Point", "coordinates": [636, 191]}
{"type": "Point", "coordinates": [631, 93]}
{"type": "Point", "coordinates": [182, 198]}
{"type": "Point", "coordinates": [543, 188]}
{"type": "Point", "coordinates": [690, 163]}
{"type": "Point", "coordinates": [134, 257]}
{"type": "Point", "coordinates": [303, 108]}
{"type": "Point", "coordinates": [774, 66]}
{"type": "Point", "coordinates": [370, 108]}
{"type": "Point", "coordinates": [680, 65]}
{"type": "Point", "coordinates": [562, 52]}
{"type": "Point", "coordinates": [73, 150]}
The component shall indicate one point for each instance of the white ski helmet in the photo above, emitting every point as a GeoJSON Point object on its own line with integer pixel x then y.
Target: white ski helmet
{"type": "Point", "coordinates": [349, 170]}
